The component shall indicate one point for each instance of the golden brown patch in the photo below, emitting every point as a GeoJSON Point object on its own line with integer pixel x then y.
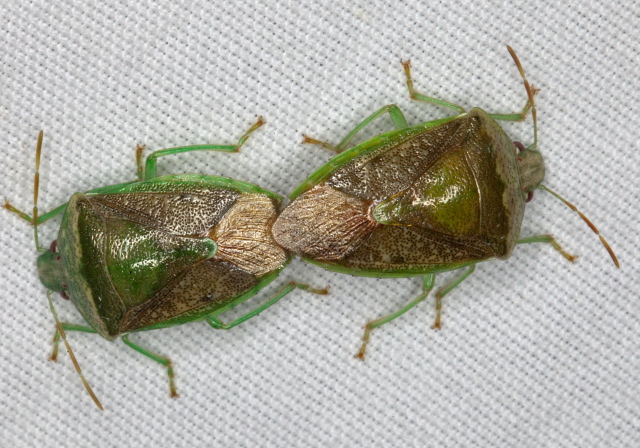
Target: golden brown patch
{"type": "Point", "coordinates": [244, 235]}
{"type": "Point", "coordinates": [324, 223]}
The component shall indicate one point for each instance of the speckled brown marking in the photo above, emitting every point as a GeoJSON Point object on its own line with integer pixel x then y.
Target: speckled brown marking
{"type": "Point", "coordinates": [324, 223]}
{"type": "Point", "coordinates": [244, 235]}
{"type": "Point", "coordinates": [386, 171]}
{"type": "Point", "coordinates": [205, 285]}
{"type": "Point", "coordinates": [454, 189]}
{"type": "Point", "coordinates": [183, 271]}
{"type": "Point", "coordinates": [192, 211]}
{"type": "Point", "coordinates": [397, 247]}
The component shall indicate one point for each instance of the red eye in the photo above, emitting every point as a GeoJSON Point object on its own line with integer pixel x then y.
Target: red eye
{"type": "Point", "coordinates": [530, 196]}
{"type": "Point", "coordinates": [519, 145]}
{"type": "Point", "coordinates": [64, 295]}
{"type": "Point", "coordinates": [54, 246]}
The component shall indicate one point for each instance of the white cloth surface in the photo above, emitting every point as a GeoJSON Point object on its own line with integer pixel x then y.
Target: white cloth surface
{"type": "Point", "coordinates": [534, 352]}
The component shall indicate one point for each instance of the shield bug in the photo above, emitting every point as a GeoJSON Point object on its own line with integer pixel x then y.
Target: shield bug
{"type": "Point", "coordinates": [160, 251]}
{"type": "Point", "coordinates": [420, 200]}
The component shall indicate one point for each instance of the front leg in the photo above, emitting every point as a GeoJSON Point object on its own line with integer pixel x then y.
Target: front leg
{"type": "Point", "coordinates": [394, 112]}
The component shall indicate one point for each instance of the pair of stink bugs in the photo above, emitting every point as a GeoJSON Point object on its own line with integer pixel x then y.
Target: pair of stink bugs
{"type": "Point", "coordinates": [412, 202]}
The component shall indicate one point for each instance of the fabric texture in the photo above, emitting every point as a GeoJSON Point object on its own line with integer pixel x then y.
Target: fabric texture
{"type": "Point", "coordinates": [534, 351]}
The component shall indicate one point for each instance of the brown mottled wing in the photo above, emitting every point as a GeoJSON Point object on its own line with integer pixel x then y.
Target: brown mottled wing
{"type": "Point", "coordinates": [391, 248]}
{"type": "Point", "coordinates": [324, 223]}
{"type": "Point", "coordinates": [191, 212]}
{"type": "Point", "coordinates": [244, 235]}
{"type": "Point", "coordinates": [470, 191]}
{"type": "Point", "coordinates": [441, 197]}
{"type": "Point", "coordinates": [198, 291]}
{"type": "Point", "coordinates": [141, 260]}
{"type": "Point", "coordinates": [445, 199]}
{"type": "Point", "coordinates": [397, 164]}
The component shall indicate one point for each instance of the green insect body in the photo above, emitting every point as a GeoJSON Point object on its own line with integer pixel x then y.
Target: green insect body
{"type": "Point", "coordinates": [417, 201]}
{"type": "Point", "coordinates": [419, 215]}
{"type": "Point", "coordinates": [163, 251]}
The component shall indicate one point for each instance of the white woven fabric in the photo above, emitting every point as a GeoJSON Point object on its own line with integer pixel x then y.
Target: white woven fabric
{"type": "Point", "coordinates": [535, 351]}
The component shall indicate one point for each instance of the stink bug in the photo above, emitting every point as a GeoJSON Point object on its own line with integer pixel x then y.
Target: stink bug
{"type": "Point", "coordinates": [419, 200]}
{"type": "Point", "coordinates": [160, 251]}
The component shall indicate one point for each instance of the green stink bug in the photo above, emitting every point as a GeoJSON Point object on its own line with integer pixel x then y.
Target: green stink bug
{"type": "Point", "coordinates": [419, 200]}
{"type": "Point", "coordinates": [160, 251]}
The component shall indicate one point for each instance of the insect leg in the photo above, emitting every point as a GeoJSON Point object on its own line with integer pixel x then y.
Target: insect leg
{"type": "Point", "coordinates": [61, 334]}
{"type": "Point", "coordinates": [66, 327]}
{"type": "Point", "coordinates": [157, 358]}
{"type": "Point", "coordinates": [36, 219]}
{"type": "Point", "coordinates": [216, 323]}
{"type": "Point", "coordinates": [446, 290]}
{"type": "Point", "coordinates": [41, 218]}
{"type": "Point", "coordinates": [427, 286]}
{"type": "Point", "coordinates": [151, 163]}
{"type": "Point", "coordinates": [139, 165]}
{"type": "Point", "coordinates": [531, 93]}
{"type": "Point", "coordinates": [394, 112]}
{"type": "Point", "coordinates": [415, 95]}
{"type": "Point", "coordinates": [547, 239]}
{"type": "Point", "coordinates": [519, 116]}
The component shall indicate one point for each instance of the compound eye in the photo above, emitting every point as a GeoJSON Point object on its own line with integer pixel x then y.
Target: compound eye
{"type": "Point", "coordinates": [520, 146]}
{"type": "Point", "coordinates": [530, 196]}
{"type": "Point", "coordinates": [54, 246]}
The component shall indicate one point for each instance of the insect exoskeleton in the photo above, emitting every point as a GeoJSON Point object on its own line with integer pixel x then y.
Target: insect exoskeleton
{"type": "Point", "coordinates": [161, 251]}
{"type": "Point", "coordinates": [419, 200]}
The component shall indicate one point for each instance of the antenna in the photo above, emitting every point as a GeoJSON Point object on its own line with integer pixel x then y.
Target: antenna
{"type": "Point", "coordinates": [60, 330]}
{"type": "Point", "coordinates": [530, 93]}
{"type": "Point", "coordinates": [585, 219]}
